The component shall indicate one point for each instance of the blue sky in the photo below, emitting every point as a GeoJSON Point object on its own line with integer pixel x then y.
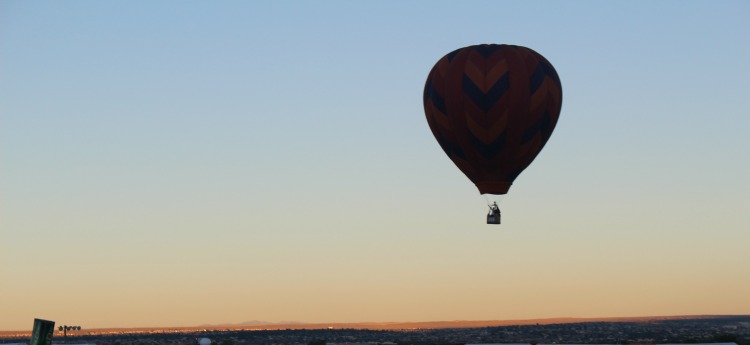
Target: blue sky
{"type": "Point", "coordinates": [269, 160]}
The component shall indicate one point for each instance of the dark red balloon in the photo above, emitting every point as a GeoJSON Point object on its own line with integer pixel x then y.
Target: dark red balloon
{"type": "Point", "coordinates": [492, 108]}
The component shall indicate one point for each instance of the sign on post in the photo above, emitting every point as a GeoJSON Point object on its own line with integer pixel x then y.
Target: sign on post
{"type": "Point", "coordinates": [42, 333]}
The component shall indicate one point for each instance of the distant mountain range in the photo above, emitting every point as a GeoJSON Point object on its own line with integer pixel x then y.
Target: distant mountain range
{"type": "Point", "coordinates": [251, 323]}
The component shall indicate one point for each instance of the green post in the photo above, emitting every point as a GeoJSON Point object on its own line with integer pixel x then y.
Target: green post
{"type": "Point", "coordinates": [42, 332]}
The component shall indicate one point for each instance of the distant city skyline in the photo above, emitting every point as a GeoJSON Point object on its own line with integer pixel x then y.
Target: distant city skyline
{"type": "Point", "coordinates": [184, 163]}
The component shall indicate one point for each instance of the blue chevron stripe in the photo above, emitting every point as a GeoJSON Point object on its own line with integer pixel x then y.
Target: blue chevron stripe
{"type": "Point", "coordinates": [552, 74]}
{"type": "Point", "coordinates": [491, 150]}
{"type": "Point", "coordinates": [544, 125]}
{"type": "Point", "coordinates": [438, 100]}
{"type": "Point", "coordinates": [541, 71]}
{"type": "Point", "coordinates": [486, 49]}
{"type": "Point", "coordinates": [482, 100]}
{"type": "Point", "coordinates": [452, 54]}
{"type": "Point", "coordinates": [537, 78]}
{"type": "Point", "coordinates": [427, 91]}
{"type": "Point", "coordinates": [450, 148]}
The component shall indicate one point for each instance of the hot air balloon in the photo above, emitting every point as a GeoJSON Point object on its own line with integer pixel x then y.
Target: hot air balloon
{"type": "Point", "coordinates": [492, 109]}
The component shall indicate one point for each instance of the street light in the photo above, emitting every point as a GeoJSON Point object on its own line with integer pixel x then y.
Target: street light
{"type": "Point", "coordinates": [67, 328]}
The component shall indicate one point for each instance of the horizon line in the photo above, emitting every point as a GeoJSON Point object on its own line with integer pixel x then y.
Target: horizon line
{"type": "Point", "coordinates": [375, 325]}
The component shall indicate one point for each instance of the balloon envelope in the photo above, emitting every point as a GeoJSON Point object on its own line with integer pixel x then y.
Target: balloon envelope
{"type": "Point", "coordinates": [492, 108]}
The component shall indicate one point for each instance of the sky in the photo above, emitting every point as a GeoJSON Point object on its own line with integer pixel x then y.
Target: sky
{"type": "Point", "coordinates": [179, 163]}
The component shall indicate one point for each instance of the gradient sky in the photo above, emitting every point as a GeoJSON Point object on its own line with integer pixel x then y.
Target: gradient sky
{"type": "Point", "coordinates": [177, 163]}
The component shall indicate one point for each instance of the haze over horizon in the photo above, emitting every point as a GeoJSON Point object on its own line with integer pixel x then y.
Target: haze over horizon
{"type": "Point", "coordinates": [390, 325]}
{"type": "Point", "coordinates": [183, 163]}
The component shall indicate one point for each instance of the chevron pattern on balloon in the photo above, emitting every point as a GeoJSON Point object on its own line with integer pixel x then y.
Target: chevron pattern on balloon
{"type": "Point", "coordinates": [492, 108]}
